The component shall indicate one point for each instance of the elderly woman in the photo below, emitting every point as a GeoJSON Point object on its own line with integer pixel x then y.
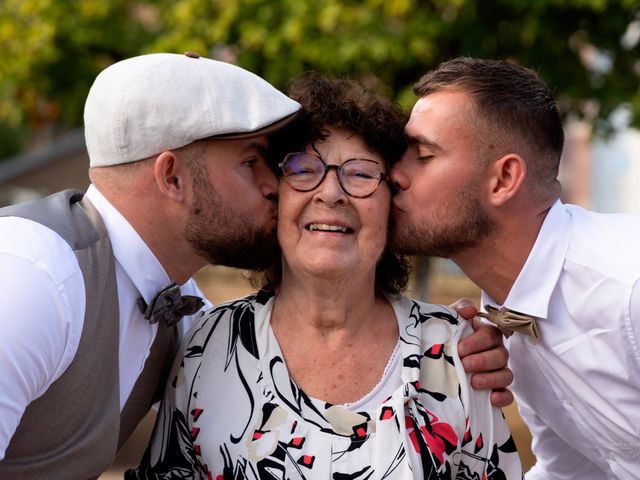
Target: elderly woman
{"type": "Point", "coordinates": [328, 372]}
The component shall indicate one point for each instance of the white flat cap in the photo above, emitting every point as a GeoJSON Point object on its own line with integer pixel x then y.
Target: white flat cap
{"type": "Point", "coordinates": [145, 105]}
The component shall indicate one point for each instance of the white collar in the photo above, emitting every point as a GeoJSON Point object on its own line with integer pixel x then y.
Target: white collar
{"type": "Point", "coordinates": [537, 280]}
{"type": "Point", "coordinates": [135, 257]}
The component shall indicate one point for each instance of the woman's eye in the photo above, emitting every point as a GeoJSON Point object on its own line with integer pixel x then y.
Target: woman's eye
{"type": "Point", "coordinates": [360, 174]}
{"type": "Point", "coordinates": [303, 171]}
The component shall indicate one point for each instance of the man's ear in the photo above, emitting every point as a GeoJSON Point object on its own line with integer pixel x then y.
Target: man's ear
{"type": "Point", "coordinates": [507, 177]}
{"type": "Point", "coordinates": [170, 173]}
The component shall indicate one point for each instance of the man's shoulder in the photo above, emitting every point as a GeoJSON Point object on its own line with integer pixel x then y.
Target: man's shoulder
{"type": "Point", "coordinates": [604, 243]}
{"type": "Point", "coordinates": [37, 244]}
{"type": "Point", "coordinates": [582, 218]}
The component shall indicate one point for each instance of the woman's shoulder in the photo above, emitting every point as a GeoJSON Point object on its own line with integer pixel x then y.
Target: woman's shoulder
{"type": "Point", "coordinates": [430, 321]}
{"type": "Point", "coordinates": [222, 317]}
{"type": "Point", "coordinates": [424, 312]}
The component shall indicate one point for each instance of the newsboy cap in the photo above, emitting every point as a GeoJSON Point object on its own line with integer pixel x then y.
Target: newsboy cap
{"type": "Point", "coordinates": [144, 105]}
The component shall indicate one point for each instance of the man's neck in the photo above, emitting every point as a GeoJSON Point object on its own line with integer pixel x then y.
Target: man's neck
{"type": "Point", "coordinates": [494, 265]}
{"type": "Point", "coordinates": [158, 228]}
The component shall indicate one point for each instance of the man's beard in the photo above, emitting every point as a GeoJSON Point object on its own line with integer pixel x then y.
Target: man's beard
{"type": "Point", "coordinates": [469, 224]}
{"type": "Point", "coordinates": [224, 236]}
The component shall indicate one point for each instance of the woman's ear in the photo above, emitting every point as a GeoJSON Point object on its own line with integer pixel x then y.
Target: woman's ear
{"type": "Point", "coordinates": [170, 174]}
{"type": "Point", "coordinates": [507, 177]}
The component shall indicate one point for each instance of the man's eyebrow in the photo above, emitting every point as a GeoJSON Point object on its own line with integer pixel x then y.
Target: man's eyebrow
{"type": "Point", "coordinates": [422, 140]}
{"type": "Point", "coordinates": [259, 147]}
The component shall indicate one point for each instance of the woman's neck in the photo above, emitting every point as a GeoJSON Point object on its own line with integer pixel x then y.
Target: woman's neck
{"type": "Point", "coordinates": [336, 339]}
{"type": "Point", "coordinates": [326, 305]}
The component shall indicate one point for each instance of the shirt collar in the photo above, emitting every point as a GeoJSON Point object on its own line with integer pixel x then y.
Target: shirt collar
{"type": "Point", "coordinates": [532, 290]}
{"type": "Point", "coordinates": [135, 257]}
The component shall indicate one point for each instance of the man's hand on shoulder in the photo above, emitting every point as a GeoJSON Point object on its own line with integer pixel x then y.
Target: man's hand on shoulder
{"type": "Point", "coordinates": [483, 354]}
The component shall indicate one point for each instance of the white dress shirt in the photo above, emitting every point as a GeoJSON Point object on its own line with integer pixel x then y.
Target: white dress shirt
{"type": "Point", "coordinates": [43, 296]}
{"type": "Point", "coordinates": [578, 387]}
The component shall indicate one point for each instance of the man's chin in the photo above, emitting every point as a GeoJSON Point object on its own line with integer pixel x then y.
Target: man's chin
{"type": "Point", "coordinates": [254, 255]}
{"type": "Point", "coordinates": [413, 242]}
{"type": "Point", "coordinates": [405, 247]}
{"type": "Point", "coordinates": [404, 241]}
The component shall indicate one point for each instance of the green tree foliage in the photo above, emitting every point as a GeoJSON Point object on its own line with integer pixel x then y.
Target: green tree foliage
{"type": "Point", "coordinates": [586, 50]}
{"type": "Point", "coordinates": [51, 52]}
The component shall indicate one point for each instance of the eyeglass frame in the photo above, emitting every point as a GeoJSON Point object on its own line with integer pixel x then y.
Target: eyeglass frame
{"type": "Point", "coordinates": [328, 166]}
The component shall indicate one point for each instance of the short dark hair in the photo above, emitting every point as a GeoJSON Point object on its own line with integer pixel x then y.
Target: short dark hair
{"type": "Point", "coordinates": [343, 103]}
{"type": "Point", "coordinates": [510, 100]}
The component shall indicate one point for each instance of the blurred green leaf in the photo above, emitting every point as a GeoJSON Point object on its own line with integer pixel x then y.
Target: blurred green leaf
{"type": "Point", "coordinates": [52, 49]}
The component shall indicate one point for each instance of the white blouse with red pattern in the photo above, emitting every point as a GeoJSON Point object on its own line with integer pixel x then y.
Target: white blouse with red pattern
{"type": "Point", "coordinates": [231, 411]}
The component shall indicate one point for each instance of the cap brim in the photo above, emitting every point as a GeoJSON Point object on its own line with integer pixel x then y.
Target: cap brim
{"type": "Point", "coordinates": [262, 131]}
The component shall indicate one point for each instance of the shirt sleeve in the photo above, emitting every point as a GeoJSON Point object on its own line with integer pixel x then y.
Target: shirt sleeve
{"type": "Point", "coordinates": [38, 339]}
{"type": "Point", "coordinates": [633, 322]}
{"type": "Point", "coordinates": [553, 454]}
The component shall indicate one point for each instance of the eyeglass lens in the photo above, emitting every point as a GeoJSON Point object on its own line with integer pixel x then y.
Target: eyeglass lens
{"type": "Point", "coordinates": [359, 177]}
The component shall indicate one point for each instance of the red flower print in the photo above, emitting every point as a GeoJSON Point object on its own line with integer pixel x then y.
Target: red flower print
{"type": "Point", "coordinates": [438, 438]}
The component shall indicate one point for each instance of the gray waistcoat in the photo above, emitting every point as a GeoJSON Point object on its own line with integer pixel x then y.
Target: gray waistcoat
{"type": "Point", "coordinates": [75, 429]}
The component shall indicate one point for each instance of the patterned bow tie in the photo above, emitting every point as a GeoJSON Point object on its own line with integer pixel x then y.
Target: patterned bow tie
{"type": "Point", "coordinates": [169, 305]}
{"type": "Point", "coordinates": [509, 321]}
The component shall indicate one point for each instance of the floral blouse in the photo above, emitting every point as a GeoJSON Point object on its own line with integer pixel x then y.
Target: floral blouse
{"type": "Point", "coordinates": [231, 411]}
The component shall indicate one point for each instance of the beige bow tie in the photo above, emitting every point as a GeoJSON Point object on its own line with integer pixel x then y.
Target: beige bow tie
{"type": "Point", "coordinates": [509, 321]}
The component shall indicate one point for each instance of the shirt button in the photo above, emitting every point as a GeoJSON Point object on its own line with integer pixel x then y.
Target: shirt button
{"type": "Point", "coordinates": [567, 403]}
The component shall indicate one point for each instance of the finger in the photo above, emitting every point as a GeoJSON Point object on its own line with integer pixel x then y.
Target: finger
{"type": "Point", "coordinates": [486, 361]}
{"type": "Point", "coordinates": [496, 380]}
{"type": "Point", "coordinates": [477, 323]}
{"type": "Point", "coordinates": [465, 307]}
{"type": "Point", "coordinates": [486, 337]}
{"type": "Point", "coordinates": [501, 398]}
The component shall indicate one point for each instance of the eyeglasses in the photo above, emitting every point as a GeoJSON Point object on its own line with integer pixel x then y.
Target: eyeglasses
{"type": "Point", "coordinates": [358, 177]}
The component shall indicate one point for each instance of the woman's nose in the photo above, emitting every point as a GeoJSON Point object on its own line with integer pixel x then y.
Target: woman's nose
{"type": "Point", "coordinates": [330, 191]}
